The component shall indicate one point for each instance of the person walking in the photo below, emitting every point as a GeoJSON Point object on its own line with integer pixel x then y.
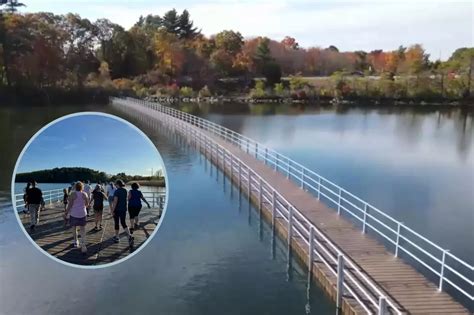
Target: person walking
{"type": "Point", "coordinates": [97, 199]}
{"type": "Point", "coordinates": [34, 199]}
{"type": "Point", "coordinates": [110, 191]}
{"type": "Point", "coordinates": [119, 211]}
{"type": "Point", "coordinates": [135, 198]}
{"type": "Point", "coordinates": [77, 213]}
{"type": "Point", "coordinates": [88, 191]}
{"type": "Point", "coordinates": [25, 190]}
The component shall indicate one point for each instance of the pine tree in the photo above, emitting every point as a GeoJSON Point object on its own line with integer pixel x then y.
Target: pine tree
{"type": "Point", "coordinates": [186, 29]}
{"type": "Point", "coordinates": [171, 22]}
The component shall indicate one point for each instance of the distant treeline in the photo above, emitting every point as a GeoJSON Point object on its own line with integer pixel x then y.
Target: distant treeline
{"type": "Point", "coordinates": [72, 174]}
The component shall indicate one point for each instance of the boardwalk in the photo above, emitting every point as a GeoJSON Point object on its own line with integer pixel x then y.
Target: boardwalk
{"type": "Point", "coordinates": [55, 238]}
{"type": "Point", "coordinates": [407, 289]}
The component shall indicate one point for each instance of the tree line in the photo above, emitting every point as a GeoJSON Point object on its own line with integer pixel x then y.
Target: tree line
{"type": "Point", "coordinates": [72, 174]}
{"type": "Point", "coordinates": [168, 55]}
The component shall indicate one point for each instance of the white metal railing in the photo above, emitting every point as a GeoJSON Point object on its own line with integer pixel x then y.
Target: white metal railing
{"type": "Point", "coordinates": [156, 199]}
{"type": "Point", "coordinates": [350, 277]}
{"type": "Point", "coordinates": [439, 261]}
{"type": "Point", "coordinates": [446, 266]}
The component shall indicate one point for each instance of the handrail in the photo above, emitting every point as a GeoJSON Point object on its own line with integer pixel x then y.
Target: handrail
{"type": "Point", "coordinates": [403, 238]}
{"type": "Point", "coordinates": [55, 195]}
{"type": "Point", "coordinates": [311, 236]}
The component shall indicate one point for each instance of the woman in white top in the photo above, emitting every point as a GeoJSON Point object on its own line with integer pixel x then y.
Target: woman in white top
{"type": "Point", "coordinates": [77, 213]}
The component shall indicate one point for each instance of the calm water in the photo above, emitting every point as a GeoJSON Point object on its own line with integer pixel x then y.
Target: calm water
{"type": "Point", "coordinates": [416, 164]}
{"type": "Point", "coordinates": [212, 254]}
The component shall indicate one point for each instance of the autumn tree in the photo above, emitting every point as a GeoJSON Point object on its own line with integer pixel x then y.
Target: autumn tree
{"type": "Point", "coordinates": [290, 43]}
{"type": "Point", "coordinates": [229, 41]}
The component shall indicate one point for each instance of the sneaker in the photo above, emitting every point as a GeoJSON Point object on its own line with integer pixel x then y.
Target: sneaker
{"type": "Point", "coordinates": [131, 230]}
{"type": "Point", "coordinates": [130, 239]}
{"type": "Point", "coordinates": [75, 244]}
{"type": "Point", "coordinates": [32, 228]}
{"type": "Point", "coordinates": [100, 228]}
{"type": "Point", "coordinates": [95, 229]}
{"type": "Point", "coordinates": [116, 239]}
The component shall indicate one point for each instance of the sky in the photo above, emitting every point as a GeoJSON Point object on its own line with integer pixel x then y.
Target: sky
{"type": "Point", "coordinates": [93, 141]}
{"type": "Point", "coordinates": [440, 25]}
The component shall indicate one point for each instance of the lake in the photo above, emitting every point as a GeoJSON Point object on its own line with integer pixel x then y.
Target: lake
{"type": "Point", "coordinates": [213, 254]}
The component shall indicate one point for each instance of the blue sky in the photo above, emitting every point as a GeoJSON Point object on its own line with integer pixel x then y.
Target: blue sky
{"type": "Point", "coordinates": [440, 25]}
{"type": "Point", "coordinates": [94, 141]}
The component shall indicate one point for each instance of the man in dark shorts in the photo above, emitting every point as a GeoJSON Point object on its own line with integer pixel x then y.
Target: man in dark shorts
{"type": "Point", "coordinates": [119, 210]}
{"type": "Point", "coordinates": [97, 199]}
{"type": "Point", "coordinates": [34, 198]}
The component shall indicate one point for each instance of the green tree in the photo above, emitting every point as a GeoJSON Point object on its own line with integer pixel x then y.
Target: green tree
{"type": "Point", "coordinates": [272, 73]}
{"type": "Point", "coordinates": [186, 28]}
{"type": "Point", "coordinates": [11, 5]}
{"type": "Point", "coordinates": [171, 22]}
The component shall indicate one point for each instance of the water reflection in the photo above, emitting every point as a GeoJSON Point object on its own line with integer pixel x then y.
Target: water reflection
{"type": "Point", "coordinates": [415, 163]}
{"type": "Point", "coordinates": [205, 258]}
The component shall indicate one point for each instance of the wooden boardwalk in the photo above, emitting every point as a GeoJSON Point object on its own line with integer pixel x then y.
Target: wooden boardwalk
{"type": "Point", "coordinates": [412, 292]}
{"type": "Point", "coordinates": [56, 239]}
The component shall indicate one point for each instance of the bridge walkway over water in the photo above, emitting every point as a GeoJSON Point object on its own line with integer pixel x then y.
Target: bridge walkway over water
{"type": "Point", "coordinates": [54, 237]}
{"type": "Point", "coordinates": [355, 268]}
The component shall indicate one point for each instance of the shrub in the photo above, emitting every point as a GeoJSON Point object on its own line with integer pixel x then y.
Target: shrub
{"type": "Point", "coordinates": [205, 92]}
{"type": "Point", "coordinates": [186, 91]}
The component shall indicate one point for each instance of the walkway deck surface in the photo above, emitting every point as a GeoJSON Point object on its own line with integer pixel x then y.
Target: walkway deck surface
{"type": "Point", "coordinates": [409, 289]}
{"type": "Point", "coordinates": [406, 286]}
{"type": "Point", "coordinates": [55, 238]}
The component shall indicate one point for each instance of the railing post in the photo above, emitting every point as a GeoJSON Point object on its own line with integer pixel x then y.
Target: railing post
{"type": "Point", "coordinates": [231, 167]}
{"type": "Point", "coordinates": [441, 274]}
{"type": "Point", "coordinates": [339, 202]}
{"type": "Point", "coordinates": [288, 169]}
{"type": "Point", "coordinates": [340, 280]}
{"type": "Point", "coordinates": [382, 305]}
{"type": "Point", "coordinates": [319, 188]}
{"type": "Point", "coordinates": [240, 176]}
{"type": "Point", "coordinates": [310, 249]}
{"type": "Point", "coordinates": [365, 219]}
{"type": "Point", "coordinates": [276, 162]}
{"type": "Point", "coordinates": [260, 193]}
{"type": "Point", "coordinates": [153, 201]}
{"type": "Point", "coordinates": [290, 224]}
{"type": "Point", "coordinates": [50, 198]}
{"type": "Point", "coordinates": [302, 178]}
{"type": "Point", "coordinates": [248, 182]}
{"type": "Point", "coordinates": [273, 208]}
{"type": "Point", "coordinates": [266, 154]}
{"type": "Point", "coordinates": [248, 144]}
{"type": "Point", "coordinates": [256, 150]}
{"type": "Point", "coordinates": [398, 238]}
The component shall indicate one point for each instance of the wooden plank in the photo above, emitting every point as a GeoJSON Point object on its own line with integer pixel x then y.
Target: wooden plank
{"type": "Point", "coordinates": [53, 236]}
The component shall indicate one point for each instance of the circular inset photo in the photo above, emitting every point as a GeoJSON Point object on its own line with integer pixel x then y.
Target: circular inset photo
{"type": "Point", "coordinates": [89, 189]}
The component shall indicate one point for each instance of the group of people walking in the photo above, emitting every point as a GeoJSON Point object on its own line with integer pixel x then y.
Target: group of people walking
{"type": "Point", "coordinates": [80, 197]}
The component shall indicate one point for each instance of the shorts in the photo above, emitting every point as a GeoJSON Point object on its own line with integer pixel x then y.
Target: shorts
{"type": "Point", "coordinates": [134, 211]}
{"type": "Point", "coordinates": [111, 200]}
{"type": "Point", "coordinates": [73, 221]}
{"type": "Point", "coordinates": [98, 208]}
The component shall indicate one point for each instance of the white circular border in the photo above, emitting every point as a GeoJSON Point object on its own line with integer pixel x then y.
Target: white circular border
{"type": "Point", "coordinates": [25, 148]}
